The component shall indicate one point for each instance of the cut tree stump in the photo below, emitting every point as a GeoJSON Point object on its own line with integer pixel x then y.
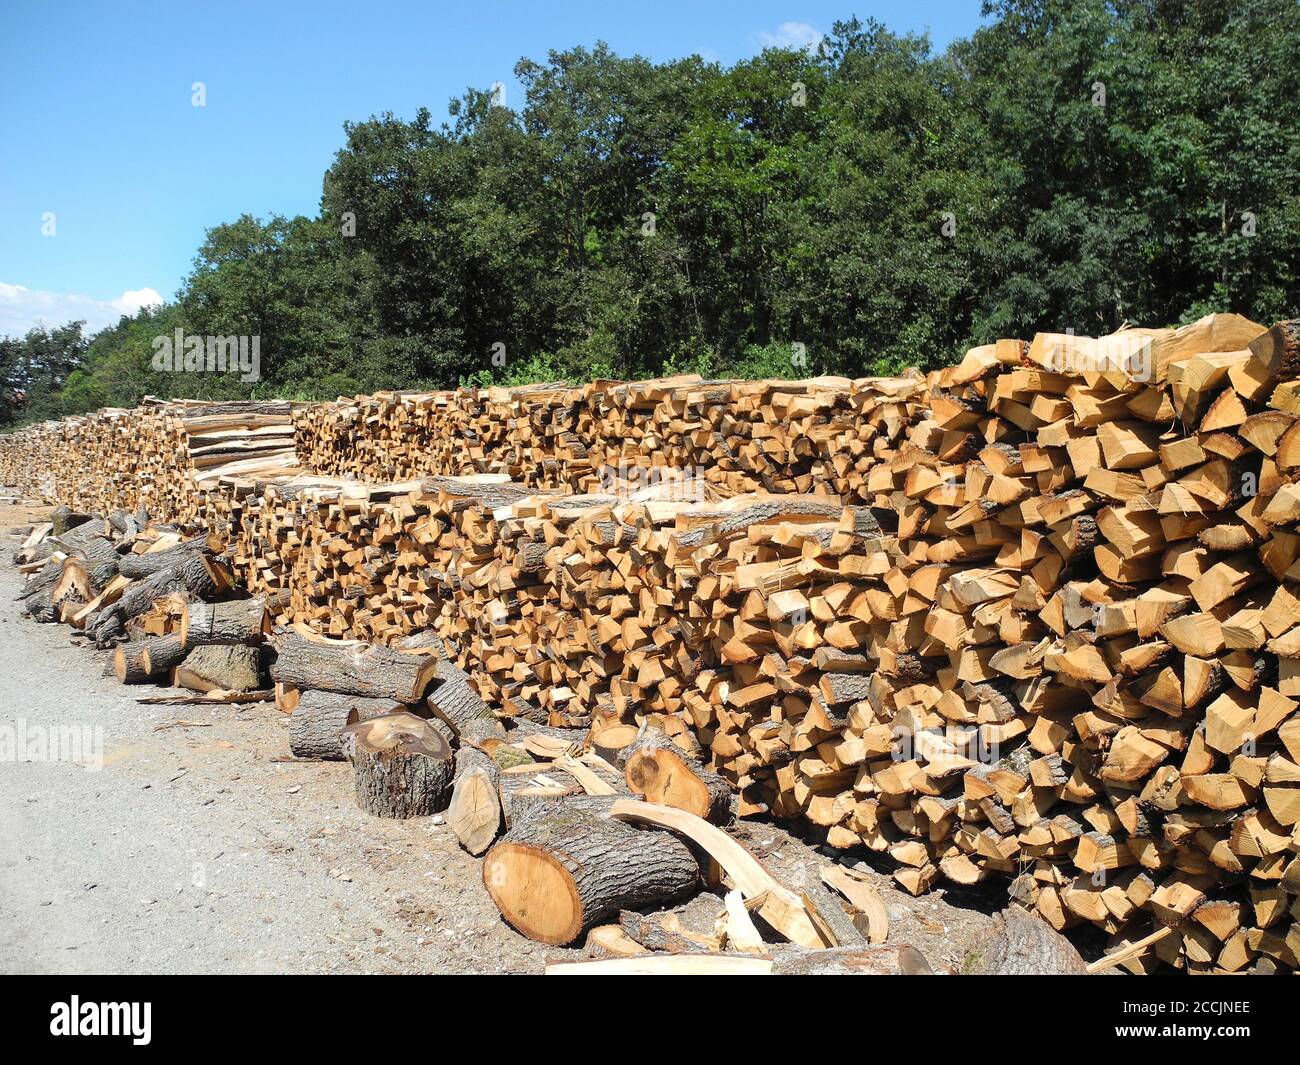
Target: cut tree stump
{"type": "Point", "coordinates": [352, 669]}
{"type": "Point", "coordinates": [317, 724]}
{"type": "Point", "coordinates": [401, 766]}
{"type": "Point", "coordinates": [562, 870]}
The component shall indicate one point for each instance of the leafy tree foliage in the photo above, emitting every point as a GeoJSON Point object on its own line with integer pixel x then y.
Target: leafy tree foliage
{"type": "Point", "coordinates": [856, 208]}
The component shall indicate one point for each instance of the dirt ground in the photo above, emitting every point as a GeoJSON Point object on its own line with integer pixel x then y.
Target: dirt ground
{"type": "Point", "coordinates": [199, 845]}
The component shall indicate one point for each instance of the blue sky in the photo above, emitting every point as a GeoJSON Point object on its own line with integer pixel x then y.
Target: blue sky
{"type": "Point", "coordinates": [98, 127]}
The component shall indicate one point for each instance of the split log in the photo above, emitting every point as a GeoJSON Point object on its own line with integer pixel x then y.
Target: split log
{"type": "Point", "coordinates": [474, 814]}
{"type": "Point", "coordinates": [352, 669]}
{"type": "Point", "coordinates": [401, 767]}
{"type": "Point", "coordinates": [560, 870]}
{"type": "Point", "coordinates": [664, 931]}
{"type": "Point", "coordinates": [317, 724]}
{"type": "Point", "coordinates": [660, 772]}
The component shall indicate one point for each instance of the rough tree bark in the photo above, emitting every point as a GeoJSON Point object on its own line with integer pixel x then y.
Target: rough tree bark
{"type": "Point", "coordinates": [352, 669]}
{"type": "Point", "coordinates": [216, 667]}
{"type": "Point", "coordinates": [1023, 944]}
{"type": "Point", "coordinates": [316, 726]}
{"type": "Point", "coordinates": [237, 621]}
{"type": "Point", "coordinates": [401, 767]}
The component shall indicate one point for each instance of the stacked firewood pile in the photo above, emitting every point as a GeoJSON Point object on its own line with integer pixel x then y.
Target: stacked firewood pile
{"type": "Point", "coordinates": [167, 457]}
{"type": "Point", "coordinates": [816, 436]}
{"type": "Point", "coordinates": [1059, 648]}
{"type": "Point", "coordinates": [1034, 617]}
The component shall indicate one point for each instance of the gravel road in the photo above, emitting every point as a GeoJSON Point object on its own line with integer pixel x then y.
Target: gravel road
{"type": "Point", "coordinates": [185, 840]}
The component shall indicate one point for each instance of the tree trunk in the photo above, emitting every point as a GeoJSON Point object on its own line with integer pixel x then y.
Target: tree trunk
{"type": "Point", "coordinates": [401, 767]}
{"type": "Point", "coordinates": [1023, 944]}
{"type": "Point", "coordinates": [316, 726]}
{"type": "Point", "coordinates": [352, 669]}
{"type": "Point", "coordinates": [162, 653]}
{"type": "Point", "coordinates": [149, 563]}
{"type": "Point", "coordinates": [216, 667]}
{"type": "Point", "coordinates": [237, 621]}
{"type": "Point", "coordinates": [456, 702]}
{"type": "Point", "coordinates": [561, 870]}
{"type": "Point", "coordinates": [135, 663]}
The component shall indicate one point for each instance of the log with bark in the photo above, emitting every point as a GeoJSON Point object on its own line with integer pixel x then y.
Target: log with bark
{"type": "Point", "coordinates": [233, 621]}
{"type": "Point", "coordinates": [660, 772]}
{"type": "Point", "coordinates": [219, 667]}
{"type": "Point", "coordinates": [560, 870]}
{"type": "Point", "coordinates": [317, 726]}
{"type": "Point", "coordinates": [350, 668]}
{"type": "Point", "coordinates": [402, 767]}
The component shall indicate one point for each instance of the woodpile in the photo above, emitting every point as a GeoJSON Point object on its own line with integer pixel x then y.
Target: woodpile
{"type": "Point", "coordinates": [817, 435]}
{"type": "Point", "coordinates": [1034, 618]}
{"type": "Point", "coordinates": [160, 460]}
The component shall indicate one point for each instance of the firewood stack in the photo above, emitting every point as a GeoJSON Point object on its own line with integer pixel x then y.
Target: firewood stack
{"type": "Point", "coordinates": [1069, 658]}
{"type": "Point", "coordinates": [817, 436]}
{"type": "Point", "coordinates": [172, 460]}
{"type": "Point", "coordinates": [1034, 617]}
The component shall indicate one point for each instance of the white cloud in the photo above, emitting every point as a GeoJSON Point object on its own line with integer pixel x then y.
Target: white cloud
{"type": "Point", "coordinates": [791, 35]}
{"type": "Point", "coordinates": [22, 307]}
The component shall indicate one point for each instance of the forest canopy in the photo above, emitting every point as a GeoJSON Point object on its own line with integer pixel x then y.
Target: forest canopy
{"type": "Point", "coordinates": [855, 208]}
